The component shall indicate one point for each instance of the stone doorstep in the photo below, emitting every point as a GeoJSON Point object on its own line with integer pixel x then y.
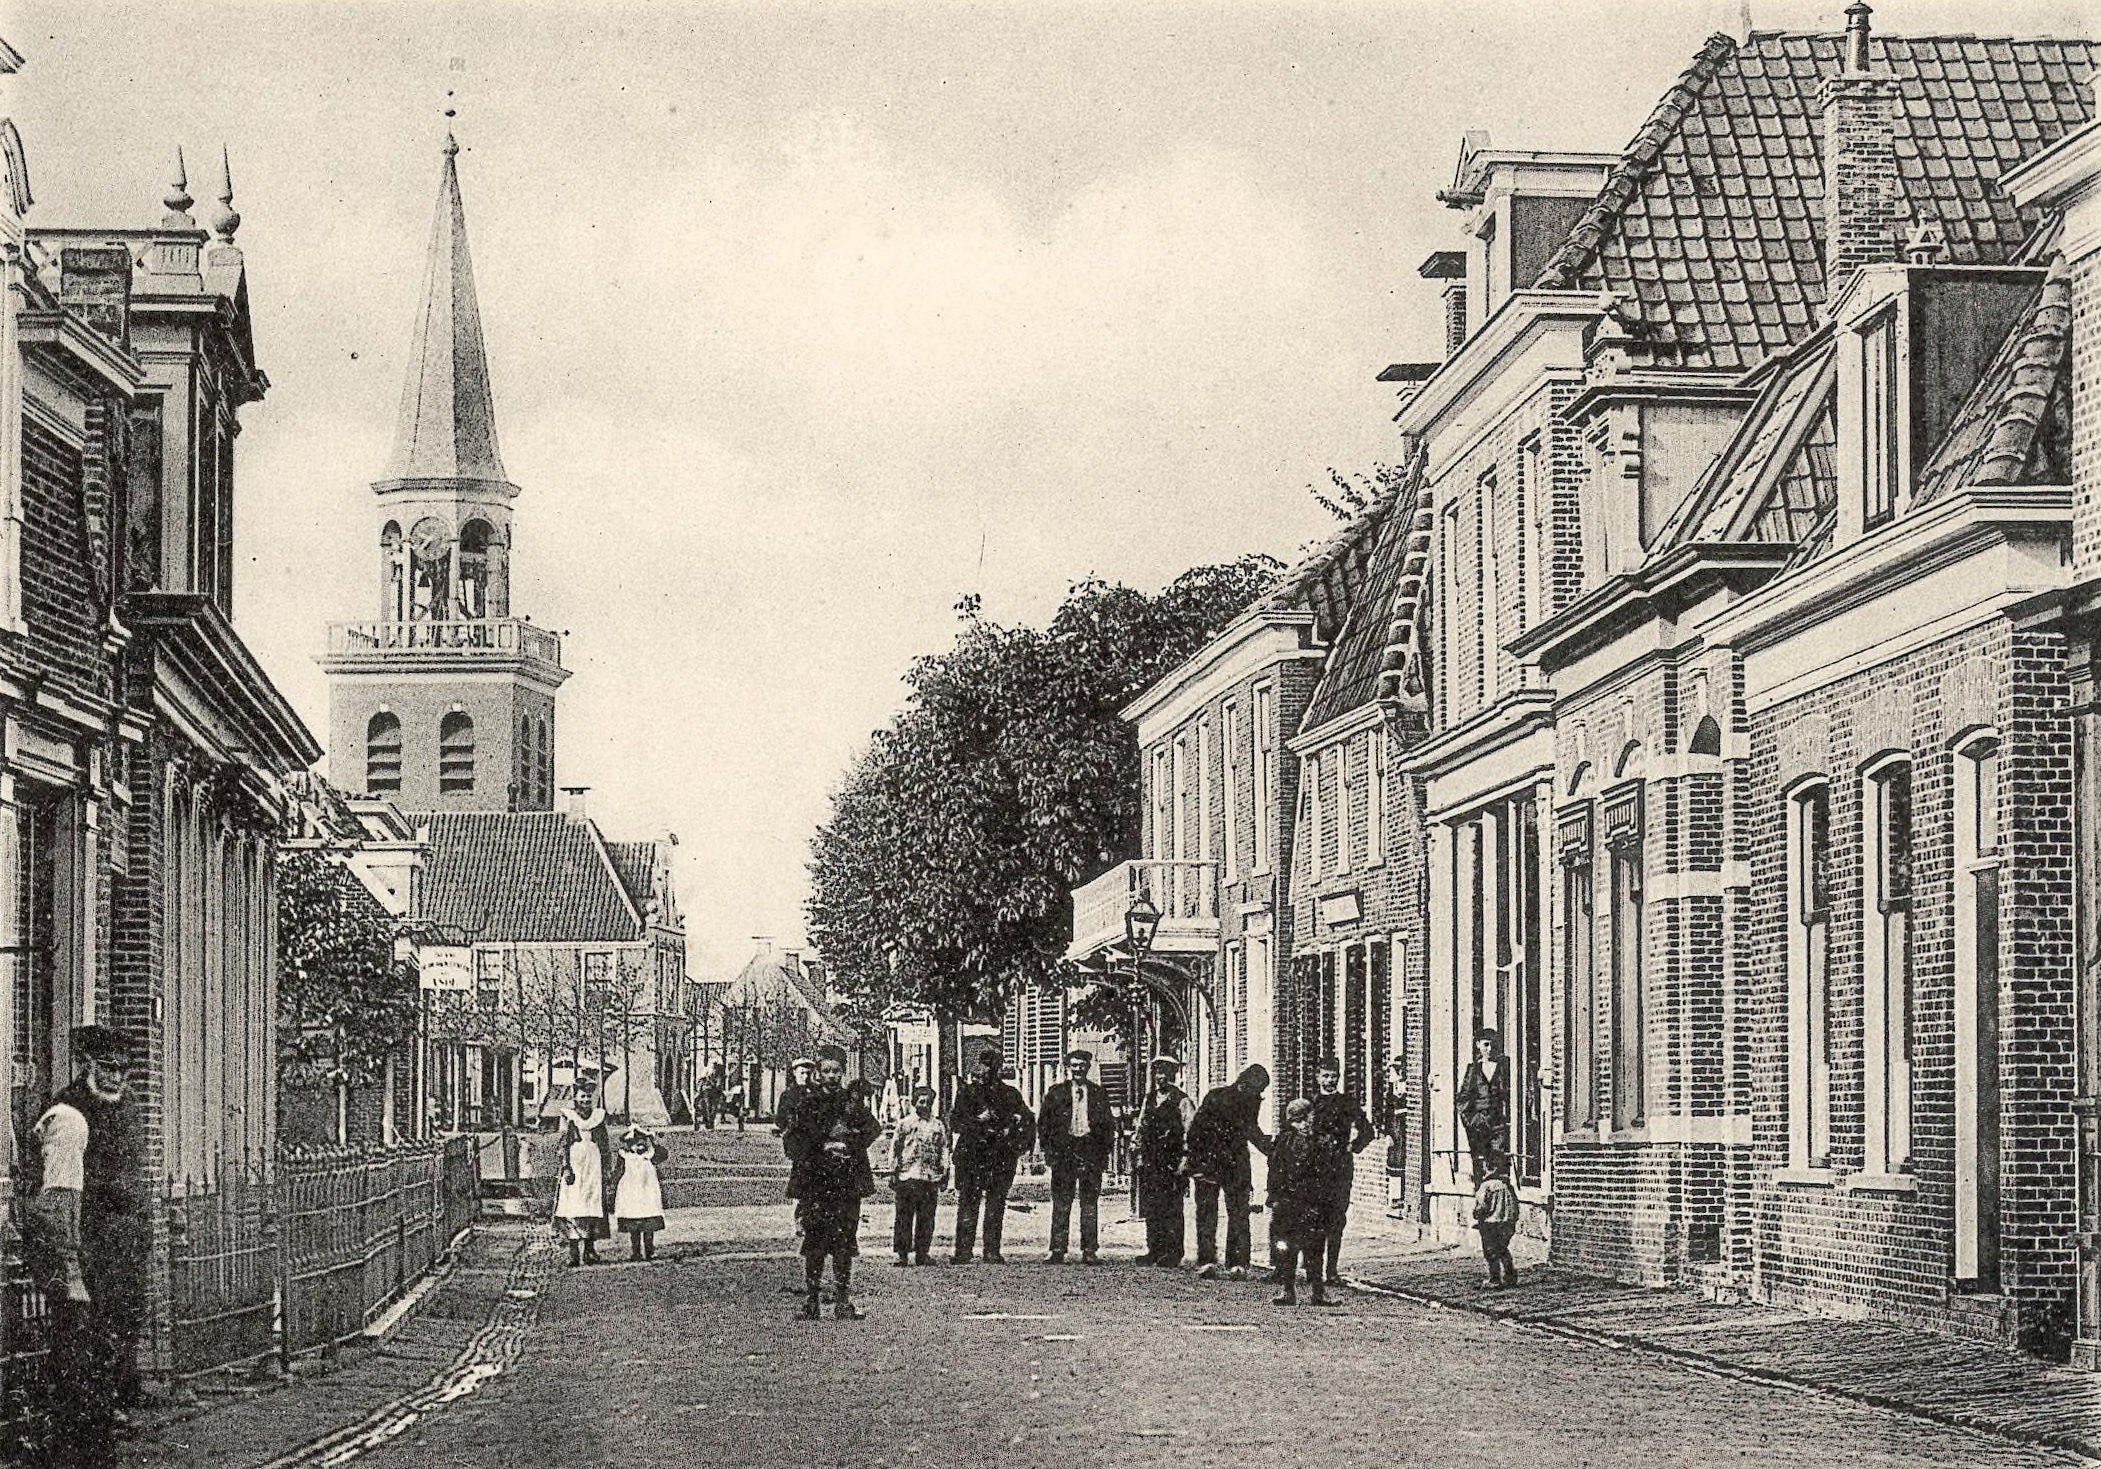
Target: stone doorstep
{"type": "Point", "coordinates": [2006, 1395]}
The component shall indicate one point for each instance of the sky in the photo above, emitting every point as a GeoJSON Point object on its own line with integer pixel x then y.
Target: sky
{"type": "Point", "coordinates": [805, 321]}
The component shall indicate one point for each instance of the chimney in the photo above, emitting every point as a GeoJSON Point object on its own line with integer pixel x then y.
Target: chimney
{"type": "Point", "coordinates": [1449, 266]}
{"type": "Point", "coordinates": [1864, 210]}
{"type": "Point", "coordinates": [573, 802]}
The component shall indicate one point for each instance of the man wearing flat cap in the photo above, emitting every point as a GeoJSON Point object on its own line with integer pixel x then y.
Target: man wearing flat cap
{"type": "Point", "coordinates": [1162, 1136]}
{"type": "Point", "coordinates": [1074, 1133]}
{"type": "Point", "coordinates": [87, 1235]}
{"type": "Point", "coordinates": [993, 1128]}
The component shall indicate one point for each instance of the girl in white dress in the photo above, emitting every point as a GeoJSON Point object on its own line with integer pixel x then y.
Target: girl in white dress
{"type": "Point", "coordinates": [638, 1204]}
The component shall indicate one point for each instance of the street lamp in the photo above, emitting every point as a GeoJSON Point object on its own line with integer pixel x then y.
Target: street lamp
{"type": "Point", "coordinates": [1141, 924]}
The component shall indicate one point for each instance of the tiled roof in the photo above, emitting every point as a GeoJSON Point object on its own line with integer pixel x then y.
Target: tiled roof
{"type": "Point", "coordinates": [524, 877]}
{"type": "Point", "coordinates": [1777, 474]}
{"type": "Point", "coordinates": [1710, 229]}
{"type": "Point", "coordinates": [769, 976]}
{"type": "Point", "coordinates": [636, 865]}
{"type": "Point", "coordinates": [1329, 580]}
{"type": "Point", "coordinates": [1351, 677]}
{"type": "Point", "coordinates": [2014, 428]}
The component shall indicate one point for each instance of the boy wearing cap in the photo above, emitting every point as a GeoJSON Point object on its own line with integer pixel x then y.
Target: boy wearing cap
{"type": "Point", "coordinates": [1074, 1131]}
{"type": "Point", "coordinates": [1162, 1136]}
{"type": "Point", "coordinates": [1302, 1170]}
{"type": "Point", "coordinates": [827, 1145]}
{"type": "Point", "coordinates": [87, 1235]}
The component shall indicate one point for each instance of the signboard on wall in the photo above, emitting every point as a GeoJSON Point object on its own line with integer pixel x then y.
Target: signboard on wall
{"type": "Point", "coordinates": [446, 967]}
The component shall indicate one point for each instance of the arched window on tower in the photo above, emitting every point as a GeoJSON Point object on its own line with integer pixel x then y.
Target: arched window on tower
{"type": "Point", "coordinates": [473, 601]}
{"type": "Point", "coordinates": [430, 570]}
{"type": "Point", "coordinates": [393, 575]}
{"type": "Point", "coordinates": [456, 754]}
{"type": "Point", "coordinates": [546, 753]}
{"type": "Point", "coordinates": [383, 755]}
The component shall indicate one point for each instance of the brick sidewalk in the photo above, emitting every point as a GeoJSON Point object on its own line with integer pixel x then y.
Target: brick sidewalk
{"type": "Point", "coordinates": [1962, 1384]}
{"type": "Point", "coordinates": [248, 1425]}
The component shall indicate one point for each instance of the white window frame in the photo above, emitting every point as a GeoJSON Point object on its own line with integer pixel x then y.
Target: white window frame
{"type": "Point", "coordinates": [1316, 814]}
{"type": "Point", "coordinates": [1489, 573]}
{"type": "Point", "coordinates": [1229, 761]}
{"type": "Point", "coordinates": [1885, 1021]}
{"type": "Point", "coordinates": [1535, 509]}
{"type": "Point", "coordinates": [1375, 797]}
{"type": "Point", "coordinates": [1265, 737]}
{"type": "Point", "coordinates": [1346, 785]}
{"type": "Point", "coordinates": [1808, 993]}
{"type": "Point", "coordinates": [1980, 848]}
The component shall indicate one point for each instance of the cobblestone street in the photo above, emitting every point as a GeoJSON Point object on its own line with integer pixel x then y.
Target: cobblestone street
{"type": "Point", "coordinates": [695, 1360]}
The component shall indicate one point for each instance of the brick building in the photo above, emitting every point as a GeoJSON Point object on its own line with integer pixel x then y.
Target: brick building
{"type": "Point", "coordinates": [1223, 813]}
{"type": "Point", "coordinates": [1749, 783]}
{"type": "Point", "coordinates": [143, 783]}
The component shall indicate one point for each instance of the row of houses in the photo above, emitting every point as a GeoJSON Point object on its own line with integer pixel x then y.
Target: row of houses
{"type": "Point", "coordinates": [1707, 705]}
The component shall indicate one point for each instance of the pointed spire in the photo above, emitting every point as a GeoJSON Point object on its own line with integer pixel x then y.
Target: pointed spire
{"type": "Point", "coordinates": [178, 199]}
{"type": "Point", "coordinates": [226, 219]}
{"type": "Point", "coordinates": [448, 418]}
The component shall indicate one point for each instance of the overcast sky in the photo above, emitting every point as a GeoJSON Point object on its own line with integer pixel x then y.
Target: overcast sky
{"type": "Point", "coordinates": [806, 320]}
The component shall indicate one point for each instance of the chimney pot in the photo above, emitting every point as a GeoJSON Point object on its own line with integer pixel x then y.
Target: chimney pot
{"type": "Point", "coordinates": [1857, 37]}
{"type": "Point", "coordinates": [573, 801]}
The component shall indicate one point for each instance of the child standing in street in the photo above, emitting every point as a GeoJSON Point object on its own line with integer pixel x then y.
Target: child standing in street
{"type": "Point", "coordinates": [918, 1167]}
{"type": "Point", "coordinates": [1303, 1168]}
{"type": "Point", "coordinates": [1495, 1215]}
{"type": "Point", "coordinates": [638, 1203]}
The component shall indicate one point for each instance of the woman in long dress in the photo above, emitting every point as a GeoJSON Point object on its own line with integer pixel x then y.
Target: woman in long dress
{"type": "Point", "coordinates": [580, 1206]}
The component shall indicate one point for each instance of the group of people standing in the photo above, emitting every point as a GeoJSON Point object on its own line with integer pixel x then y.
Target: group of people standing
{"type": "Point", "coordinates": [1181, 1149]}
{"type": "Point", "coordinates": [602, 1190]}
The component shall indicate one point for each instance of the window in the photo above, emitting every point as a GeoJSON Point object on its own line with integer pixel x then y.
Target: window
{"type": "Point", "coordinates": [1809, 976]}
{"type": "Point", "coordinates": [1579, 1099]}
{"type": "Point", "coordinates": [393, 574]}
{"type": "Point", "coordinates": [1229, 724]}
{"type": "Point", "coordinates": [1346, 783]}
{"type": "Point", "coordinates": [1623, 839]}
{"type": "Point", "coordinates": [1878, 418]}
{"type": "Point", "coordinates": [1315, 816]}
{"type": "Point", "coordinates": [456, 754]}
{"type": "Point", "coordinates": [1886, 968]}
{"type": "Point", "coordinates": [1977, 1099]}
{"type": "Point", "coordinates": [430, 570]}
{"type": "Point", "coordinates": [1265, 774]}
{"type": "Point", "coordinates": [1488, 576]}
{"type": "Point", "coordinates": [474, 570]}
{"type": "Point", "coordinates": [1201, 848]}
{"type": "Point", "coordinates": [1447, 573]}
{"type": "Point", "coordinates": [598, 972]}
{"type": "Point", "coordinates": [383, 755]}
{"type": "Point", "coordinates": [1375, 798]}
{"type": "Point", "coordinates": [1534, 516]}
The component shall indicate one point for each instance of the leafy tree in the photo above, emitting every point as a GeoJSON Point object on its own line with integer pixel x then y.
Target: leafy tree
{"type": "Point", "coordinates": [344, 1001]}
{"type": "Point", "coordinates": [1347, 496]}
{"type": "Point", "coordinates": [1008, 779]}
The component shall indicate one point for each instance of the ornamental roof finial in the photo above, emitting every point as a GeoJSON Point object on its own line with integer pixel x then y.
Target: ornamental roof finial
{"type": "Point", "coordinates": [227, 219]}
{"type": "Point", "coordinates": [178, 199]}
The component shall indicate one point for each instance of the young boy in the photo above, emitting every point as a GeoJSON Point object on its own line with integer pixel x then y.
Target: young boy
{"type": "Point", "coordinates": [918, 1168]}
{"type": "Point", "coordinates": [1495, 1215]}
{"type": "Point", "coordinates": [1303, 1167]}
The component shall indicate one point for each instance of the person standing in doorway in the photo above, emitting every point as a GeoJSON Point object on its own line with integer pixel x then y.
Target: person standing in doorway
{"type": "Point", "coordinates": [1484, 1103]}
{"type": "Point", "coordinates": [1227, 1123]}
{"type": "Point", "coordinates": [86, 1237]}
{"type": "Point", "coordinates": [827, 1141]}
{"type": "Point", "coordinates": [993, 1128]}
{"type": "Point", "coordinates": [1337, 1119]}
{"type": "Point", "coordinates": [1074, 1131]}
{"type": "Point", "coordinates": [1162, 1137]}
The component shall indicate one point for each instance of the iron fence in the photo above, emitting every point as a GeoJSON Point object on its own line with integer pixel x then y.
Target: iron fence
{"type": "Point", "coordinates": [264, 1260]}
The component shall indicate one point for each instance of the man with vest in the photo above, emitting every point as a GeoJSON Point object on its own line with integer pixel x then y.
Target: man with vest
{"type": "Point", "coordinates": [87, 1235]}
{"type": "Point", "coordinates": [1162, 1136]}
{"type": "Point", "coordinates": [1074, 1132]}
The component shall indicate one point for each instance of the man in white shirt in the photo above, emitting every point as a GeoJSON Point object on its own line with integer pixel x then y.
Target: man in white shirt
{"type": "Point", "coordinates": [1075, 1131]}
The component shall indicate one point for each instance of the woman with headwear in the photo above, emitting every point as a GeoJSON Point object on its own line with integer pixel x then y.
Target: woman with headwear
{"type": "Point", "coordinates": [584, 1144]}
{"type": "Point", "coordinates": [827, 1139]}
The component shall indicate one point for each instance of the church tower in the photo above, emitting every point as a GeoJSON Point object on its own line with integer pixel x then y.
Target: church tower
{"type": "Point", "coordinates": [445, 701]}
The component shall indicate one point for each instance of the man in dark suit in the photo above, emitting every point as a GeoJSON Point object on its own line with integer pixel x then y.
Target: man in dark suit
{"type": "Point", "coordinates": [1338, 1119]}
{"type": "Point", "coordinates": [1075, 1131]}
{"type": "Point", "coordinates": [992, 1128]}
{"type": "Point", "coordinates": [1484, 1103]}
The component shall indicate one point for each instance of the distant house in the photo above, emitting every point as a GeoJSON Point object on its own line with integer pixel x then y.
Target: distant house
{"type": "Point", "coordinates": [776, 1009]}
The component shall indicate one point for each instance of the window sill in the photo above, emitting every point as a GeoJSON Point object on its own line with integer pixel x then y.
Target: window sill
{"type": "Point", "coordinates": [1881, 1183]}
{"type": "Point", "coordinates": [1806, 1178]}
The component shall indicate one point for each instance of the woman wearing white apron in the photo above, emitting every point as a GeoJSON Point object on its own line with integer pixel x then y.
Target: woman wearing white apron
{"type": "Point", "coordinates": [580, 1206]}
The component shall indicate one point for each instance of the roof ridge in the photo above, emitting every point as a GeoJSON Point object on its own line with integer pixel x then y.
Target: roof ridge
{"type": "Point", "coordinates": [1315, 564]}
{"type": "Point", "coordinates": [1623, 184]}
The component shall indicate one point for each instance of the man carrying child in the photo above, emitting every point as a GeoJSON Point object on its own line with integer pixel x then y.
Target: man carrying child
{"type": "Point", "coordinates": [918, 1168]}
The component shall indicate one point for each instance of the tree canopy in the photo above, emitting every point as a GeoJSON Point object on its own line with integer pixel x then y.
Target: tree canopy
{"type": "Point", "coordinates": [1007, 780]}
{"type": "Point", "coordinates": [344, 1002]}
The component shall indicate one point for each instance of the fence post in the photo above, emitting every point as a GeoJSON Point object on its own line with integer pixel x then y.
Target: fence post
{"type": "Point", "coordinates": [274, 1252]}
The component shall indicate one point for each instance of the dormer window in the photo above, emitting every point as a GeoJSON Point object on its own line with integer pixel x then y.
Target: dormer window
{"type": "Point", "coordinates": [1880, 447]}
